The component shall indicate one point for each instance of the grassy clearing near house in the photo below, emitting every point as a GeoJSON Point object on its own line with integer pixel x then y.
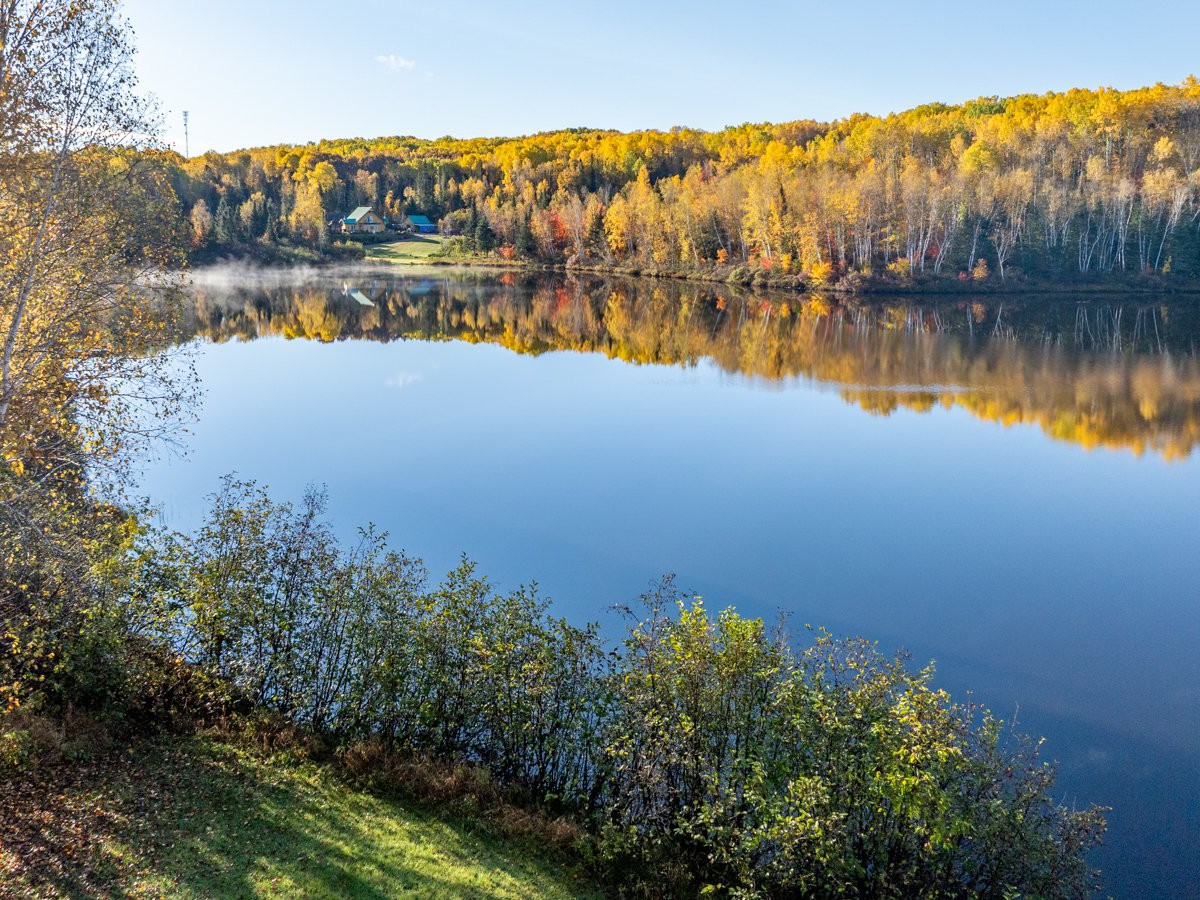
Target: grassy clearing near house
{"type": "Point", "coordinates": [412, 250]}
{"type": "Point", "coordinates": [201, 818]}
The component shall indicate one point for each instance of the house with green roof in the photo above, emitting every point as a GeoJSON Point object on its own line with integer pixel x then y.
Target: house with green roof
{"type": "Point", "coordinates": [363, 220]}
{"type": "Point", "coordinates": [421, 225]}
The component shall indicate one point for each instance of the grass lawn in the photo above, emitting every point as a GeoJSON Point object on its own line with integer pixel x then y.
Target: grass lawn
{"type": "Point", "coordinates": [413, 250]}
{"type": "Point", "coordinates": [199, 818]}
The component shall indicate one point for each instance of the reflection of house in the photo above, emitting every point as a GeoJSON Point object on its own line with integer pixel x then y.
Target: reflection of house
{"type": "Point", "coordinates": [420, 288]}
{"type": "Point", "coordinates": [421, 225]}
{"type": "Point", "coordinates": [363, 220]}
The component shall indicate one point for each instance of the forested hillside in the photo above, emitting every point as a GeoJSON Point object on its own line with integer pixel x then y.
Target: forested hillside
{"type": "Point", "coordinates": [1080, 186]}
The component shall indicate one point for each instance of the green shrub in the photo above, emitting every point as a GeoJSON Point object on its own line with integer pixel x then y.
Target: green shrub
{"type": "Point", "coordinates": [706, 754]}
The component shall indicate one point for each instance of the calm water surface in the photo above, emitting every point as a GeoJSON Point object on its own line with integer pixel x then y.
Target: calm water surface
{"type": "Point", "coordinates": [1010, 489]}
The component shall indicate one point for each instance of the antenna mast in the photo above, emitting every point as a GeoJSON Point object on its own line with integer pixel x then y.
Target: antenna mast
{"type": "Point", "coordinates": [186, 150]}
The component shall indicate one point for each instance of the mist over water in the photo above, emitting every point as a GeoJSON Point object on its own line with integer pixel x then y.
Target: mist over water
{"type": "Point", "coordinates": [1008, 485]}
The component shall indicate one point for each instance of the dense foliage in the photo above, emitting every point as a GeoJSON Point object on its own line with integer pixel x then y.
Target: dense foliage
{"type": "Point", "coordinates": [86, 230]}
{"type": "Point", "coordinates": [704, 752]}
{"type": "Point", "coordinates": [86, 227]}
{"type": "Point", "coordinates": [1061, 187]}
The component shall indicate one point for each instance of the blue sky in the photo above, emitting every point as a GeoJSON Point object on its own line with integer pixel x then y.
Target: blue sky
{"type": "Point", "coordinates": [258, 72]}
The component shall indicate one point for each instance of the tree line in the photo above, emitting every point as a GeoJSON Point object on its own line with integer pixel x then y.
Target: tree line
{"type": "Point", "coordinates": [1062, 187]}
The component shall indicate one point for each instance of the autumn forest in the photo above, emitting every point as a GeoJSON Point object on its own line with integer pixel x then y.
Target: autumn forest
{"type": "Point", "coordinates": [1080, 187]}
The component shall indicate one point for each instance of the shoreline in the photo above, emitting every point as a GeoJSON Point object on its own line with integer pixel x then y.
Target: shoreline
{"type": "Point", "coordinates": [733, 276]}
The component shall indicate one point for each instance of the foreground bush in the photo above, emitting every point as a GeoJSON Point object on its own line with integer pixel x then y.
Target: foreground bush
{"type": "Point", "coordinates": [835, 772]}
{"type": "Point", "coordinates": [704, 753]}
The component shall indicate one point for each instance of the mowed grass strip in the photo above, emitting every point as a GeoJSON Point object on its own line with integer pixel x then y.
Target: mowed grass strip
{"type": "Point", "coordinates": [200, 818]}
{"type": "Point", "coordinates": [413, 250]}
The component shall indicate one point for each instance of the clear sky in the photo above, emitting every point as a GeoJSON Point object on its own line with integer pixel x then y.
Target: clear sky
{"type": "Point", "coordinates": [257, 72]}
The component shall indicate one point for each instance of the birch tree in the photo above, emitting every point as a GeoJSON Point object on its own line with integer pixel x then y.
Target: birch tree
{"type": "Point", "coordinates": [88, 224]}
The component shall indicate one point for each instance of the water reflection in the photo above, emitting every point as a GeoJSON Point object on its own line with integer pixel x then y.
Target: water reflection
{"type": "Point", "coordinates": [1059, 586]}
{"type": "Point", "coordinates": [1114, 373]}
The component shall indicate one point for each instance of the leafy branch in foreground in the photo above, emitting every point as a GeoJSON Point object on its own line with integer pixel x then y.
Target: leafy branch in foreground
{"type": "Point", "coordinates": [87, 229]}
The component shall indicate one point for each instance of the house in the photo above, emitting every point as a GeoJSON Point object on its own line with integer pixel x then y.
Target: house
{"type": "Point", "coordinates": [421, 225]}
{"type": "Point", "coordinates": [363, 220]}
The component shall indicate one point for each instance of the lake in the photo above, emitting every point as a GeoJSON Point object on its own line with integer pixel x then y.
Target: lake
{"type": "Point", "coordinates": [1007, 485]}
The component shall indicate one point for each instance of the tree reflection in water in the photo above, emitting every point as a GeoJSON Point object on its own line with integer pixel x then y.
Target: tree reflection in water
{"type": "Point", "coordinates": [1113, 371]}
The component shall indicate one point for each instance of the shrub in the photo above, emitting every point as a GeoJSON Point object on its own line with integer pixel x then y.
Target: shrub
{"type": "Point", "coordinates": [739, 766]}
{"type": "Point", "coordinates": [705, 754]}
{"type": "Point", "coordinates": [820, 272]}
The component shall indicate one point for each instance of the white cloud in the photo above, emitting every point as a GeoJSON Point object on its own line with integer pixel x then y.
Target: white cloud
{"type": "Point", "coordinates": [403, 379]}
{"type": "Point", "coordinates": [396, 63]}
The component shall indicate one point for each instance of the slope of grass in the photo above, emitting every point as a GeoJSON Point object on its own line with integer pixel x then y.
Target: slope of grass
{"type": "Point", "coordinates": [200, 818]}
{"type": "Point", "coordinates": [412, 250]}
